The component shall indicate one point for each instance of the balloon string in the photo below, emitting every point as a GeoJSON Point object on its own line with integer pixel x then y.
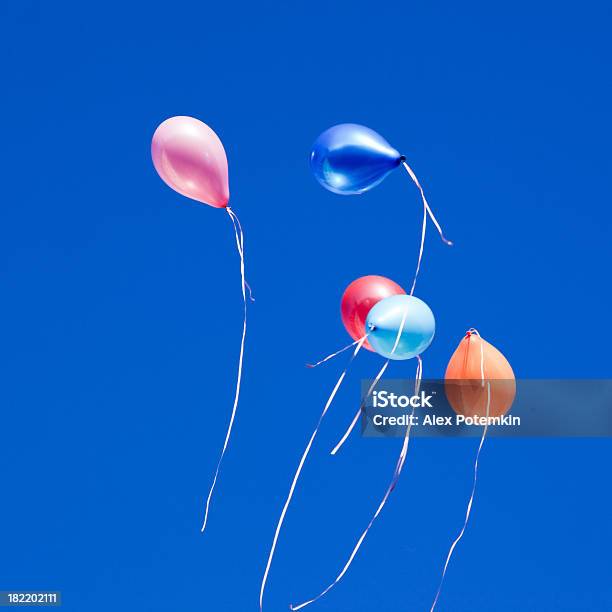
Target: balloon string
{"type": "Point", "coordinates": [396, 474]}
{"type": "Point", "coordinates": [425, 203]}
{"type": "Point", "coordinates": [474, 332]}
{"type": "Point", "coordinates": [347, 433]}
{"type": "Point", "coordinates": [299, 471]}
{"type": "Point", "coordinates": [240, 245]}
{"type": "Point", "coordinates": [421, 248]}
{"type": "Point", "coordinates": [355, 420]}
{"type": "Point", "coordinates": [239, 242]}
{"type": "Point", "coordinates": [348, 346]}
{"type": "Point", "coordinates": [400, 331]}
{"type": "Point", "coordinates": [471, 500]}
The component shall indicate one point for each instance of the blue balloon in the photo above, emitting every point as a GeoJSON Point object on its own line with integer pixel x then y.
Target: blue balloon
{"type": "Point", "coordinates": [350, 158]}
{"type": "Point", "coordinates": [385, 320]}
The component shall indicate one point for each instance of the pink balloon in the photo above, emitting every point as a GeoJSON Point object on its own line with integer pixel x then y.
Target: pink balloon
{"type": "Point", "coordinates": [190, 158]}
{"type": "Point", "coordinates": [359, 298]}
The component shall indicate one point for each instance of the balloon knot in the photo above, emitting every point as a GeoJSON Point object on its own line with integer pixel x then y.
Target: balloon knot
{"type": "Point", "coordinates": [468, 334]}
{"type": "Point", "coordinates": [402, 159]}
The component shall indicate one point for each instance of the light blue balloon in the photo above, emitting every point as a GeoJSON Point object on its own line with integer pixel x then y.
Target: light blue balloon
{"type": "Point", "coordinates": [385, 320]}
{"type": "Point", "coordinates": [349, 158]}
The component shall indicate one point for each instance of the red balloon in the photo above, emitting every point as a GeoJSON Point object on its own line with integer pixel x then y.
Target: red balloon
{"type": "Point", "coordinates": [359, 298]}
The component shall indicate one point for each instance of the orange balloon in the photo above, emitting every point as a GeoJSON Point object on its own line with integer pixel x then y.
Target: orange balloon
{"type": "Point", "coordinates": [463, 379]}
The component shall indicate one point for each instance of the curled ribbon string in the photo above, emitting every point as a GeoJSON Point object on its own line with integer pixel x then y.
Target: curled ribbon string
{"type": "Point", "coordinates": [299, 471]}
{"type": "Point", "coordinates": [471, 500]}
{"type": "Point", "coordinates": [348, 346]}
{"type": "Point", "coordinates": [355, 420]}
{"type": "Point", "coordinates": [421, 248]}
{"type": "Point", "coordinates": [239, 242]}
{"type": "Point", "coordinates": [400, 331]}
{"type": "Point", "coordinates": [473, 331]}
{"type": "Point", "coordinates": [240, 245]}
{"type": "Point", "coordinates": [396, 474]}
{"type": "Point", "coordinates": [425, 203]}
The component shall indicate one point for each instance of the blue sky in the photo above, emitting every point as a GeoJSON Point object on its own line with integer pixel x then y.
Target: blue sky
{"type": "Point", "coordinates": [121, 306]}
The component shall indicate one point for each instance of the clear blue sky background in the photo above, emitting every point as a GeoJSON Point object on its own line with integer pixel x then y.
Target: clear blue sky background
{"type": "Point", "coordinates": [121, 309]}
